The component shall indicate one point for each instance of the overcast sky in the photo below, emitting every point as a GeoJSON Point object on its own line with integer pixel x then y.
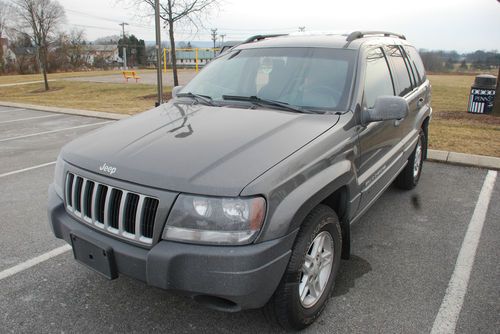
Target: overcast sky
{"type": "Point", "coordinates": [463, 25]}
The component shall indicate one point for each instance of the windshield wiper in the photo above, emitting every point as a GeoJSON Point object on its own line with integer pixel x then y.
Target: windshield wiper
{"type": "Point", "coordinates": [198, 97]}
{"type": "Point", "coordinates": [267, 102]}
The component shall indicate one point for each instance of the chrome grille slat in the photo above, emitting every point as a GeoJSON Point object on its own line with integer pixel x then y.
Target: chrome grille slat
{"type": "Point", "coordinates": [106, 208]}
{"type": "Point", "coordinates": [73, 193]}
{"type": "Point", "coordinates": [113, 210]}
{"type": "Point", "coordinates": [82, 198]}
{"type": "Point", "coordinates": [121, 211]}
{"type": "Point", "coordinates": [138, 215]}
{"type": "Point", "coordinates": [93, 203]}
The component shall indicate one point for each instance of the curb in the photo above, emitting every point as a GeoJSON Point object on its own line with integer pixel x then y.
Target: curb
{"type": "Point", "coordinates": [481, 161]}
{"type": "Point", "coordinates": [79, 112]}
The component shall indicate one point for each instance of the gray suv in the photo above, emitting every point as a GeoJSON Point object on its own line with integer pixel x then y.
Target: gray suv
{"type": "Point", "coordinates": [240, 191]}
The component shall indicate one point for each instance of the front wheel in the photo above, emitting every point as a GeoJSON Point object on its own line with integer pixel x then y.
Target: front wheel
{"type": "Point", "coordinates": [409, 176]}
{"type": "Point", "coordinates": [308, 281]}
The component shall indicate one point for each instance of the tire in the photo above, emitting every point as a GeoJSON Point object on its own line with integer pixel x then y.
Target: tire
{"type": "Point", "coordinates": [286, 306]}
{"type": "Point", "coordinates": [409, 176]}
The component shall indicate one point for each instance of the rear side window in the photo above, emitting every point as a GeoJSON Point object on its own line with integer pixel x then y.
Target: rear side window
{"type": "Point", "coordinates": [416, 61]}
{"type": "Point", "coordinates": [378, 79]}
{"type": "Point", "coordinates": [401, 72]}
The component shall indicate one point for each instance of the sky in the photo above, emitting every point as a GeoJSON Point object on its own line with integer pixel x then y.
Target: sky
{"type": "Point", "coordinates": [462, 25]}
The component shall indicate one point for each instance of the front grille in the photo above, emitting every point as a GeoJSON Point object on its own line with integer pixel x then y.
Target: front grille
{"type": "Point", "coordinates": [114, 210]}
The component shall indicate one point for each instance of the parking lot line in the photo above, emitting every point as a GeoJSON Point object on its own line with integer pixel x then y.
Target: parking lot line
{"type": "Point", "coordinates": [449, 311]}
{"type": "Point", "coordinates": [33, 262]}
{"type": "Point", "coordinates": [53, 131]}
{"type": "Point", "coordinates": [27, 169]}
{"type": "Point", "coordinates": [29, 118]}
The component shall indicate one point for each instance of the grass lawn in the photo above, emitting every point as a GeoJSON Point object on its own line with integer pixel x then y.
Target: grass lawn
{"type": "Point", "coordinates": [452, 128]}
{"type": "Point", "coordinates": [117, 98]}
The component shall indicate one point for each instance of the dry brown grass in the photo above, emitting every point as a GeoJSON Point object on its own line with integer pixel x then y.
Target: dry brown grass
{"type": "Point", "coordinates": [452, 128]}
{"type": "Point", "coordinates": [118, 98]}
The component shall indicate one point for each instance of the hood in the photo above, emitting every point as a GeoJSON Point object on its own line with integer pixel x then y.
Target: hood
{"type": "Point", "coordinates": [195, 148]}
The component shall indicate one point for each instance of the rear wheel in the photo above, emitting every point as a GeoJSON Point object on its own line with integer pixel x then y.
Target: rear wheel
{"type": "Point", "coordinates": [308, 281]}
{"type": "Point", "coordinates": [409, 176]}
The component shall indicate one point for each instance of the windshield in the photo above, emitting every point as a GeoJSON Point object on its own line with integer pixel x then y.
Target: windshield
{"type": "Point", "coordinates": [312, 78]}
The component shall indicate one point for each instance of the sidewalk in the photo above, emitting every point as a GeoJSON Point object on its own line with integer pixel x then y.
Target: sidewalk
{"type": "Point", "coordinates": [481, 161]}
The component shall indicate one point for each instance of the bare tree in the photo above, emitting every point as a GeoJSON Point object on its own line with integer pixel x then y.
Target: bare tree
{"type": "Point", "coordinates": [173, 12]}
{"type": "Point", "coordinates": [40, 19]}
{"type": "Point", "coordinates": [5, 16]}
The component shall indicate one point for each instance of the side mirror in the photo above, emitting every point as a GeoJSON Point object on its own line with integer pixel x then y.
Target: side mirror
{"type": "Point", "coordinates": [176, 90]}
{"type": "Point", "coordinates": [386, 108]}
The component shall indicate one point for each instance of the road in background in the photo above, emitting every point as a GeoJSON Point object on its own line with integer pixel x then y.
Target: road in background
{"type": "Point", "coordinates": [147, 77]}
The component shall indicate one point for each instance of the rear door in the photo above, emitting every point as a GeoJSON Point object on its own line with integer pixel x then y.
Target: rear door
{"type": "Point", "coordinates": [408, 84]}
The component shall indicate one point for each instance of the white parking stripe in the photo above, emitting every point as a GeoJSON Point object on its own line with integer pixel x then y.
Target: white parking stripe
{"type": "Point", "coordinates": [53, 131]}
{"type": "Point", "coordinates": [33, 262]}
{"type": "Point", "coordinates": [447, 317]}
{"type": "Point", "coordinates": [10, 110]}
{"type": "Point", "coordinates": [29, 118]}
{"type": "Point", "coordinates": [27, 169]}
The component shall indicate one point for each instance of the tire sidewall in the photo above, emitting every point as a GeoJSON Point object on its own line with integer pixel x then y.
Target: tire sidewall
{"type": "Point", "coordinates": [422, 141]}
{"type": "Point", "coordinates": [308, 315]}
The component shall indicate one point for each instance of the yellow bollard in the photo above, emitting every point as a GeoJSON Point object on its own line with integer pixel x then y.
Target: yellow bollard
{"type": "Point", "coordinates": [196, 59]}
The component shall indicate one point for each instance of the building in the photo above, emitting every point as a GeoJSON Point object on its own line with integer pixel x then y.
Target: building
{"type": "Point", "coordinates": [105, 53]}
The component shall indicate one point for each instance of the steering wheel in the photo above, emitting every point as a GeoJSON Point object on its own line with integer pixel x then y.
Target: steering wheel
{"type": "Point", "coordinates": [325, 93]}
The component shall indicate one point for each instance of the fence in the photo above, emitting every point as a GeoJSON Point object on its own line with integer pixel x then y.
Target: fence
{"type": "Point", "coordinates": [194, 57]}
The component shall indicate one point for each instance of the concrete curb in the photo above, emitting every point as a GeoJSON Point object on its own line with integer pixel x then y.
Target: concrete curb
{"type": "Point", "coordinates": [482, 161]}
{"type": "Point", "coordinates": [462, 159]}
{"type": "Point", "coordinates": [79, 112]}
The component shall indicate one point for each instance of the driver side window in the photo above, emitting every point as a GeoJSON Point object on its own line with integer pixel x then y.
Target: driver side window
{"type": "Point", "coordinates": [378, 80]}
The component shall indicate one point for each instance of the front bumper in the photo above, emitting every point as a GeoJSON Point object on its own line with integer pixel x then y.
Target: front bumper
{"type": "Point", "coordinates": [230, 278]}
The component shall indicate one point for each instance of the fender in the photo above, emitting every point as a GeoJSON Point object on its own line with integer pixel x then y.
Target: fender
{"type": "Point", "coordinates": [292, 210]}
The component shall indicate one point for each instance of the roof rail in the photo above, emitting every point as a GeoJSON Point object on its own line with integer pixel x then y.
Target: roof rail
{"type": "Point", "coordinates": [260, 37]}
{"type": "Point", "coordinates": [254, 39]}
{"type": "Point", "coordinates": [360, 34]}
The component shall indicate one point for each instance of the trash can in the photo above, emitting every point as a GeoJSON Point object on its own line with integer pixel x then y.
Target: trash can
{"type": "Point", "coordinates": [482, 94]}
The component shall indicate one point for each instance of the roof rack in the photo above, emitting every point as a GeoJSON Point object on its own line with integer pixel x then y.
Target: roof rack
{"type": "Point", "coordinates": [260, 37]}
{"type": "Point", "coordinates": [255, 39]}
{"type": "Point", "coordinates": [360, 34]}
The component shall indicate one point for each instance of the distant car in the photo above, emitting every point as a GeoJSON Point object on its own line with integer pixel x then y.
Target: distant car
{"type": "Point", "coordinates": [241, 190]}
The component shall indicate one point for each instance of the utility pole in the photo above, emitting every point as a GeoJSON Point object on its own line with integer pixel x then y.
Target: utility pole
{"type": "Point", "coordinates": [159, 82]}
{"type": "Point", "coordinates": [214, 37]}
{"type": "Point", "coordinates": [222, 39]}
{"type": "Point", "coordinates": [124, 50]}
{"type": "Point", "coordinates": [302, 29]}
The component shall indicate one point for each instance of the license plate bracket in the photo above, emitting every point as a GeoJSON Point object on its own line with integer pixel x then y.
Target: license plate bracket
{"type": "Point", "coordinates": [94, 255]}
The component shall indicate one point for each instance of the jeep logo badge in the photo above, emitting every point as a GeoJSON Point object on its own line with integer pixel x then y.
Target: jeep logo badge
{"type": "Point", "coordinates": [107, 169]}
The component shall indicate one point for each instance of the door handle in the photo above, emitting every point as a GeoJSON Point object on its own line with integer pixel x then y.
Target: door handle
{"type": "Point", "coordinates": [420, 102]}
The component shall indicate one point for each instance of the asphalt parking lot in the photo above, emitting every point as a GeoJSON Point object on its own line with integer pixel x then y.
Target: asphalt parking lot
{"type": "Point", "coordinates": [405, 251]}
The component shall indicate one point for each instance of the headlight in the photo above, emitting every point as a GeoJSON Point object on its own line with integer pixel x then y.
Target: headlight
{"type": "Point", "coordinates": [212, 220]}
{"type": "Point", "coordinates": [59, 177]}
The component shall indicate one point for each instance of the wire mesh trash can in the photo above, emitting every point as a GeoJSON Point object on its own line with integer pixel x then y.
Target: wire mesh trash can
{"type": "Point", "coordinates": [482, 94]}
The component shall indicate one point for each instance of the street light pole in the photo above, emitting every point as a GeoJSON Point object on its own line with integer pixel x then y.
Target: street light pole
{"type": "Point", "coordinates": [222, 39]}
{"type": "Point", "coordinates": [214, 38]}
{"type": "Point", "coordinates": [124, 50]}
{"type": "Point", "coordinates": [159, 82]}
